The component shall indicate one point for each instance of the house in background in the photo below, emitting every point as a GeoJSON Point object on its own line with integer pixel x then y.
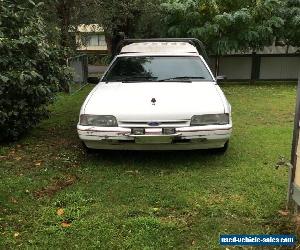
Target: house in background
{"type": "Point", "coordinates": [90, 38]}
{"type": "Point", "coordinates": [271, 63]}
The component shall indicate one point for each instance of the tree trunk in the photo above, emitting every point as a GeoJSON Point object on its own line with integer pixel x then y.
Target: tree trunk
{"type": "Point", "coordinates": [113, 41]}
{"type": "Point", "coordinates": [287, 48]}
{"type": "Point", "coordinates": [108, 40]}
{"type": "Point", "coordinates": [63, 8]}
{"type": "Point", "coordinates": [217, 65]}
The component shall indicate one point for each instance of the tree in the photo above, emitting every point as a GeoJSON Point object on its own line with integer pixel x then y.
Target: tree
{"type": "Point", "coordinates": [123, 18]}
{"type": "Point", "coordinates": [30, 68]}
{"type": "Point", "coordinates": [119, 18]}
{"type": "Point", "coordinates": [225, 27]}
{"type": "Point", "coordinates": [290, 31]}
{"type": "Point", "coordinates": [62, 17]}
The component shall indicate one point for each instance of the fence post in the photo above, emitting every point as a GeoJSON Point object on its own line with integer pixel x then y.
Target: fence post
{"type": "Point", "coordinates": [85, 68]}
{"type": "Point", "coordinates": [217, 65]}
{"type": "Point", "coordinates": [293, 191]}
{"type": "Point", "coordinates": [255, 69]}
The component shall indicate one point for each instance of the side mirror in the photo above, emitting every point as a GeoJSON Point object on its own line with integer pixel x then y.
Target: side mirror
{"type": "Point", "coordinates": [221, 78]}
{"type": "Point", "coordinates": [93, 80]}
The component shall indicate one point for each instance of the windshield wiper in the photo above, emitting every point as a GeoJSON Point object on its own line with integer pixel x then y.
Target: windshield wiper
{"type": "Point", "coordinates": [138, 78]}
{"type": "Point", "coordinates": [131, 79]}
{"type": "Point", "coordinates": [182, 78]}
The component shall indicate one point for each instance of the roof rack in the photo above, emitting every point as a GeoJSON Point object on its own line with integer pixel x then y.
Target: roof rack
{"type": "Point", "coordinates": [193, 41]}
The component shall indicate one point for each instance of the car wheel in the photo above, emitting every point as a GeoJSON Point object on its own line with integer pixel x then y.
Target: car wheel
{"type": "Point", "coordinates": [221, 150]}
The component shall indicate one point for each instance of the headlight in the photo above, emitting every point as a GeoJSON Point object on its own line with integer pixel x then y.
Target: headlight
{"type": "Point", "coordinates": [98, 120]}
{"type": "Point", "coordinates": [216, 119]}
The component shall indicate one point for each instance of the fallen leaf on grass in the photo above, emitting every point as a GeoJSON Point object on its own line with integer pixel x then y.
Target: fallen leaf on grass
{"type": "Point", "coordinates": [155, 209]}
{"type": "Point", "coordinates": [132, 172]}
{"type": "Point", "coordinates": [16, 234]}
{"type": "Point", "coordinates": [18, 158]}
{"type": "Point", "coordinates": [283, 212]}
{"type": "Point", "coordinates": [60, 211]}
{"type": "Point", "coordinates": [13, 200]}
{"type": "Point", "coordinates": [65, 224]}
{"type": "Point", "coordinates": [38, 163]}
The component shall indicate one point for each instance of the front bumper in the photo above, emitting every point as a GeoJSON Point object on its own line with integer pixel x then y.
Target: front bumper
{"type": "Point", "coordinates": [185, 138]}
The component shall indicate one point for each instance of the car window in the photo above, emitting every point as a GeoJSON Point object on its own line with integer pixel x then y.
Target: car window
{"type": "Point", "coordinates": [158, 68]}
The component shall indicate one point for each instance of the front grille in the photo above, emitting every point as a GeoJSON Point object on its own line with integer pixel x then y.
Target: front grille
{"type": "Point", "coordinates": [160, 124]}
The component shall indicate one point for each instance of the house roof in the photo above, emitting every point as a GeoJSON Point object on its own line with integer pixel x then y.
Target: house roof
{"type": "Point", "coordinates": [159, 47]}
{"type": "Point", "coordinates": [89, 28]}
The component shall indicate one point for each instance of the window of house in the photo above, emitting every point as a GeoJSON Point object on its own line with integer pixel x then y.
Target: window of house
{"type": "Point", "coordinates": [95, 40]}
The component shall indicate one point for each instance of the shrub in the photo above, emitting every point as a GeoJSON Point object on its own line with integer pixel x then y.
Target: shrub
{"type": "Point", "coordinates": [31, 68]}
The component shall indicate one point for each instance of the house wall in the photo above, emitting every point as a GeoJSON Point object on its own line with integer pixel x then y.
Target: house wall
{"type": "Point", "coordinates": [236, 67]}
{"type": "Point", "coordinates": [258, 67]}
{"type": "Point", "coordinates": [91, 42]}
{"type": "Point", "coordinates": [92, 48]}
{"type": "Point", "coordinates": [279, 67]}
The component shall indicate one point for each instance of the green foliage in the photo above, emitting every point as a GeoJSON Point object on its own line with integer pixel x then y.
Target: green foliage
{"type": "Point", "coordinates": [31, 68]}
{"type": "Point", "coordinates": [98, 59]}
{"type": "Point", "coordinates": [225, 27]}
{"type": "Point", "coordinates": [290, 32]}
{"type": "Point", "coordinates": [125, 16]}
{"type": "Point", "coordinates": [63, 17]}
{"type": "Point", "coordinates": [134, 19]}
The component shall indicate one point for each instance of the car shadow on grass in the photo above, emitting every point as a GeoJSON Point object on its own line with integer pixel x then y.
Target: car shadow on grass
{"type": "Point", "coordinates": [158, 159]}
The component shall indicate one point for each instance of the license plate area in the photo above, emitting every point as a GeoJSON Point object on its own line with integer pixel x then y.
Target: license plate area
{"type": "Point", "coordinates": [153, 140]}
{"type": "Point", "coordinates": [153, 135]}
{"type": "Point", "coordinates": [153, 131]}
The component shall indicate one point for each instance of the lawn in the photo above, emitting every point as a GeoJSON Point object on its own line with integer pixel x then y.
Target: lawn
{"type": "Point", "coordinates": [54, 196]}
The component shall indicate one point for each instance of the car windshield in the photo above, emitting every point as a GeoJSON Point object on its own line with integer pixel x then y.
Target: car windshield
{"type": "Point", "coordinates": [158, 68]}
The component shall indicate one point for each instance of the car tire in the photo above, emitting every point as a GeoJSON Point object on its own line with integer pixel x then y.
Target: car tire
{"type": "Point", "coordinates": [221, 150]}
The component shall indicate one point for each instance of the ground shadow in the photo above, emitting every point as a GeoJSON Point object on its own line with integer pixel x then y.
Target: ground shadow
{"type": "Point", "coordinates": [158, 159]}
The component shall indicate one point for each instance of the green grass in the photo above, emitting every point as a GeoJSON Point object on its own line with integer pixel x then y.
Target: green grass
{"type": "Point", "coordinates": [148, 200]}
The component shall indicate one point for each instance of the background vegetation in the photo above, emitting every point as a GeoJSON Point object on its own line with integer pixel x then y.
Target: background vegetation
{"type": "Point", "coordinates": [223, 26]}
{"type": "Point", "coordinates": [37, 37]}
{"type": "Point", "coordinates": [32, 68]}
{"type": "Point", "coordinates": [52, 195]}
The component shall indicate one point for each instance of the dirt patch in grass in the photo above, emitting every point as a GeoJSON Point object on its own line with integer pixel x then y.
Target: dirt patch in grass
{"type": "Point", "coordinates": [183, 220]}
{"type": "Point", "coordinates": [55, 186]}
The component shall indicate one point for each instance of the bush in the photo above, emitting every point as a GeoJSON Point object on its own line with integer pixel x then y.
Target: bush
{"type": "Point", "coordinates": [96, 59]}
{"type": "Point", "coordinates": [31, 69]}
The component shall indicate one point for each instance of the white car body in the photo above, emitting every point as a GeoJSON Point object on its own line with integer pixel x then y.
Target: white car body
{"type": "Point", "coordinates": [176, 103]}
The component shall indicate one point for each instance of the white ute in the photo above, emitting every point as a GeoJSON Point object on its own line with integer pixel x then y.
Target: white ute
{"type": "Point", "coordinates": [157, 94]}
